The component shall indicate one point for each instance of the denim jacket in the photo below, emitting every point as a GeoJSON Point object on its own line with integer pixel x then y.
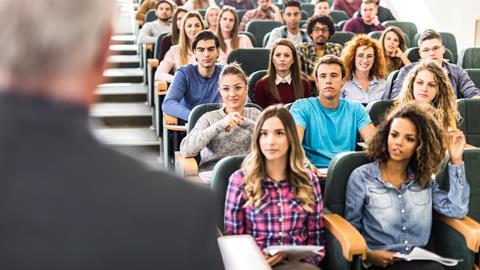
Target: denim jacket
{"type": "Point", "coordinates": [398, 220]}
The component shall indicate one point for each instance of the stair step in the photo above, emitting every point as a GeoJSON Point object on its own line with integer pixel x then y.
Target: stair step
{"type": "Point", "coordinates": [123, 49]}
{"type": "Point", "coordinates": [123, 61]}
{"type": "Point", "coordinates": [123, 75]}
{"type": "Point", "coordinates": [123, 39]}
{"type": "Point", "coordinates": [128, 136]}
{"type": "Point", "coordinates": [133, 114]}
{"type": "Point", "coordinates": [121, 92]}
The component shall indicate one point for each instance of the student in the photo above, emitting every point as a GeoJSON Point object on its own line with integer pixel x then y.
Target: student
{"type": "Point", "coordinates": [284, 82]}
{"type": "Point", "coordinates": [273, 197]}
{"type": "Point", "coordinates": [393, 43]}
{"type": "Point", "coordinates": [195, 84]}
{"type": "Point", "coordinates": [327, 124]}
{"type": "Point", "coordinates": [292, 14]}
{"type": "Point", "coordinates": [227, 33]}
{"type": "Point", "coordinates": [428, 82]}
{"type": "Point", "coordinates": [240, 4]}
{"type": "Point", "coordinates": [151, 30]}
{"type": "Point", "coordinates": [366, 70]}
{"type": "Point", "coordinates": [226, 131]}
{"type": "Point", "coordinates": [390, 200]}
{"type": "Point", "coordinates": [349, 6]}
{"type": "Point", "coordinates": [321, 8]}
{"type": "Point", "coordinates": [368, 21]}
{"type": "Point", "coordinates": [320, 29]}
{"type": "Point", "coordinates": [266, 10]}
{"type": "Point", "coordinates": [172, 38]}
{"type": "Point", "coordinates": [383, 13]}
{"type": "Point", "coordinates": [181, 54]}
{"type": "Point", "coordinates": [197, 5]}
{"type": "Point", "coordinates": [211, 19]}
{"type": "Point", "coordinates": [431, 47]}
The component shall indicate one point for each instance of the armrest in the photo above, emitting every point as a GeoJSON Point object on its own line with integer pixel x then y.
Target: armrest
{"type": "Point", "coordinates": [148, 47]}
{"type": "Point", "coordinates": [161, 88]}
{"type": "Point", "coordinates": [185, 166]}
{"type": "Point", "coordinates": [350, 239]}
{"type": "Point", "coordinates": [171, 123]}
{"type": "Point", "coordinates": [153, 63]}
{"type": "Point", "coordinates": [139, 23]}
{"type": "Point", "coordinates": [469, 228]}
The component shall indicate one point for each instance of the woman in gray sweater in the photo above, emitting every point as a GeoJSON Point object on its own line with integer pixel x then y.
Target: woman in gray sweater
{"type": "Point", "coordinates": [226, 131]}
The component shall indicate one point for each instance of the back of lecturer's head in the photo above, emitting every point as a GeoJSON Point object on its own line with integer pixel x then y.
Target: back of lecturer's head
{"type": "Point", "coordinates": [45, 38]}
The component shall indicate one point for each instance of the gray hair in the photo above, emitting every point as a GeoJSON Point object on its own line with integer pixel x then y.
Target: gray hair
{"type": "Point", "coordinates": [51, 37]}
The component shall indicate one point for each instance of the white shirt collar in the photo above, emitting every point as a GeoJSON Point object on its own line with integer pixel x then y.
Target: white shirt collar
{"type": "Point", "coordinates": [286, 79]}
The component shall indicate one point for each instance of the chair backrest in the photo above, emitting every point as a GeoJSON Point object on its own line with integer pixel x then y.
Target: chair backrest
{"type": "Point", "coordinates": [390, 80]}
{"type": "Point", "coordinates": [449, 41]}
{"type": "Point", "coordinates": [309, 8]}
{"type": "Point", "coordinates": [260, 27]}
{"type": "Point", "coordinates": [339, 26]}
{"type": "Point", "coordinates": [469, 58]}
{"type": "Point", "coordinates": [221, 174]}
{"type": "Point", "coordinates": [413, 54]}
{"type": "Point", "coordinates": [240, 13]}
{"type": "Point", "coordinates": [249, 35]}
{"type": "Point", "coordinates": [471, 159]}
{"type": "Point", "coordinates": [408, 28]}
{"type": "Point", "coordinates": [378, 109]}
{"type": "Point", "coordinates": [158, 43]}
{"type": "Point", "coordinates": [265, 39]}
{"type": "Point", "coordinates": [341, 37]}
{"type": "Point", "coordinates": [339, 170]}
{"type": "Point", "coordinates": [469, 110]}
{"type": "Point", "coordinates": [252, 80]}
{"type": "Point", "coordinates": [474, 74]}
{"type": "Point", "coordinates": [150, 16]}
{"type": "Point", "coordinates": [251, 59]}
{"type": "Point", "coordinates": [339, 15]}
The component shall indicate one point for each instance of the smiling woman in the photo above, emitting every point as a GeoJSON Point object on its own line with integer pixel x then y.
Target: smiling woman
{"type": "Point", "coordinates": [226, 131]}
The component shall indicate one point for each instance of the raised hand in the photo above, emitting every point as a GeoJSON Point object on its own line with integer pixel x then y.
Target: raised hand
{"type": "Point", "coordinates": [456, 145]}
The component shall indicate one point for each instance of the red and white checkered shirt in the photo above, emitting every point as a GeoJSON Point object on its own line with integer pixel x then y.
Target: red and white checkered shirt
{"type": "Point", "coordinates": [280, 218]}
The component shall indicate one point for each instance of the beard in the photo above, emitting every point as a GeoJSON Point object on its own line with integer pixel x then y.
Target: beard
{"type": "Point", "coordinates": [167, 19]}
{"type": "Point", "coordinates": [321, 42]}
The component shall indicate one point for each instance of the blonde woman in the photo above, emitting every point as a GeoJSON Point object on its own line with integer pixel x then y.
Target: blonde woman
{"type": "Point", "coordinates": [227, 33]}
{"type": "Point", "coordinates": [428, 82]}
{"type": "Point", "coordinates": [211, 19]}
{"type": "Point", "coordinates": [181, 54]}
{"type": "Point", "coordinates": [273, 197]}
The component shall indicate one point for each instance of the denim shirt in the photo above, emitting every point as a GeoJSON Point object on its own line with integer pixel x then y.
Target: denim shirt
{"type": "Point", "coordinates": [398, 220]}
{"type": "Point", "coordinates": [354, 91]}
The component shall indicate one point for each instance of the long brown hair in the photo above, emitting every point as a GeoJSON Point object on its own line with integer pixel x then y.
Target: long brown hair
{"type": "Point", "coordinates": [234, 39]}
{"type": "Point", "coordinates": [183, 42]}
{"type": "Point", "coordinates": [431, 139]}
{"type": "Point", "coordinates": [445, 101]}
{"type": "Point", "coordinates": [297, 175]}
{"type": "Point", "coordinates": [295, 71]}
{"type": "Point", "coordinates": [349, 52]}
{"type": "Point", "coordinates": [394, 63]}
{"type": "Point", "coordinates": [175, 30]}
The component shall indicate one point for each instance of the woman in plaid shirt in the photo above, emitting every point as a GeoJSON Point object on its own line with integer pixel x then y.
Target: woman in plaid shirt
{"type": "Point", "coordinates": [273, 197]}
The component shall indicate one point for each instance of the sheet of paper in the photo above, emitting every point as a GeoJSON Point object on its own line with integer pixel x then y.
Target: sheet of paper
{"type": "Point", "coordinates": [207, 176]}
{"type": "Point", "coordinates": [295, 252]}
{"type": "Point", "coordinates": [240, 252]}
{"type": "Point", "coordinates": [422, 254]}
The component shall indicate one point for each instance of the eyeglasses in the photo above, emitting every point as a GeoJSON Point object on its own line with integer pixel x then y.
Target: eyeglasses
{"type": "Point", "coordinates": [235, 89]}
{"type": "Point", "coordinates": [318, 29]}
{"type": "Point", "coordinates": [434, 49]}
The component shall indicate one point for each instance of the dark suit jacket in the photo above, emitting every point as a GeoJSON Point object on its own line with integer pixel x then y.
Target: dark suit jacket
{"type": "Point", "coordinates": [67, 202]}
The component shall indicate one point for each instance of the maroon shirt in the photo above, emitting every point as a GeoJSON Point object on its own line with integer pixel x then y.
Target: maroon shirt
{"type": "Point", "coordinates": [348, 8]}
{"type": "Point", "coordinates": [357, 26]}
{"type": "Point", "coordinates": [263, 97]}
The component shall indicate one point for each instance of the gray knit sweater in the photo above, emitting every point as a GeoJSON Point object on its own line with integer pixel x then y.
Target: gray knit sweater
{"type": "Point", "coordinates": [209, 138]}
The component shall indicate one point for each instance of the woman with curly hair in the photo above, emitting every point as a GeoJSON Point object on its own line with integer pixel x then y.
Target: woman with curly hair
{"type": "Point", "coordinates": [273, 197]}
{"type": "Point", "coordinates": [284, 82]}
{"type": "Point", "coordinates": [394, 47]}
{"type": "Point", "coordinates": [390, 200]}
{"type": "Point", "coordinates": [366, 70]}
{"type": "Point", "coordinates": [428, 82]}
{"type": "Point", "coordinates": [227, 33]}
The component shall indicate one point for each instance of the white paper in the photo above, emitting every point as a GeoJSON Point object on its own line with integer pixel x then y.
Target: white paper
{"type": "Point", "coordinates": [422, 254]}
{"type": "Point", "coordinates": [240, 252]}
{"type": "Point", "coordinates": [295, 252]}
{"type": "Point", "coordinates": [207, 176]}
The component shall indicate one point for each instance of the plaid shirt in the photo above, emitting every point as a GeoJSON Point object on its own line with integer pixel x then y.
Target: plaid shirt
{"type": "Point", "coordinates": [279, 220]}
{"type": "Point", "coordinates": [308, 55]}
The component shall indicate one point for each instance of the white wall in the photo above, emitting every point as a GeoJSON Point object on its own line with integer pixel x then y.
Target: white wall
{"type": "Point", "coordinates": [457, 17]}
